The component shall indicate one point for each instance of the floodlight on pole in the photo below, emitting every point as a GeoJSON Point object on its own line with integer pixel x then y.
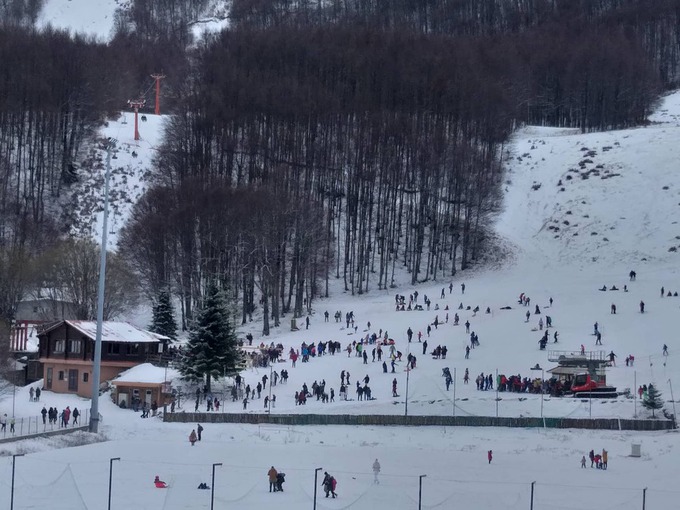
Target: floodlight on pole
{"type": "Point", "coordinates": [316, 474]}
{"type": "Point", "coordinates": [97, 362]}
{"type": "Point", "coordinates": [14, 459]}
{"type": "Point", "coordinates": [212, 486]}
{"type": "Point", "coordinates": [111, 477]}
{"type": "Point", "coordinates": [420, 491]}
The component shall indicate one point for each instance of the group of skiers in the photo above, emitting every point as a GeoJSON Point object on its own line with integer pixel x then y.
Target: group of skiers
{"type": "Point", "coordinates": [597, 460]}
{"type": "Point", "coordinates": [52, 414]}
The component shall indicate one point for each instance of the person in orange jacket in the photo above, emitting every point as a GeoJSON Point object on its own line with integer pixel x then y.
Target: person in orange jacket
{"type": "Point", "coordinates": [272, 474]}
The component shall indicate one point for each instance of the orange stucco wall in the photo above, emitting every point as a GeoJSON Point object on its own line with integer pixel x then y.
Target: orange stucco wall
{"type": "Point", "coordinates": [108, 372]}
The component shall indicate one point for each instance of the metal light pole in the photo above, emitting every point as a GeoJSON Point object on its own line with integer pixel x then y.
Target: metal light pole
{"type": "Point", "coordinates": [96, 370]}
{"type": "Point", "coordinates": [537, 367]}
{"type": "Point", "coordinates": [420, 491]}
{"type": "Point", "coordinates": [111, 477]}
{"type": "Point", "coordinates": [212, 486]}
{"type": "Point", "coordinates": [454, 392]}
{"type": "Point", "coordinates": [532, 495]}
{"type": "Point", "coordinates": [496, 381]}
{"type": "Point", "coordinates": [14, 459]}
{"type": "Point", "coordinates": [316, 473]}
{"type": "Point", "coordinates": [635, 394]}
{"type": "Point", "coordinates": [408, 372]}
{"type": "Point", "coordinates": [673, 400]}
{"type": "Point", "coordinates": [14, 388]}
{"type": "Point", "coordinates": [269, 402]}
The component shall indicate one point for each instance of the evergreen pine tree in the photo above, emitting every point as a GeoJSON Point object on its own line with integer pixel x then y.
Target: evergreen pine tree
{"type": "Point", "coordinates": [653, 400]}
{"type": "Point", "coordinates": [163, 321]}
{"type": "Point", "coordinates": [212, 348]}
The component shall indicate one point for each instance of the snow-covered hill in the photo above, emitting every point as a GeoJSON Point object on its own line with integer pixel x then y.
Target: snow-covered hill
{"type": "Point", "coordinates": [96, 17]}
{"type": "Point", "coordinates": [599, 198]}
{"type": "Point", "coordinates": [616, 191]}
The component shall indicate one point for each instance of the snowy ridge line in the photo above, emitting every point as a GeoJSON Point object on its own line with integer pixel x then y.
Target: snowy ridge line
{"type": "Point", "coordinates": [424, 420]}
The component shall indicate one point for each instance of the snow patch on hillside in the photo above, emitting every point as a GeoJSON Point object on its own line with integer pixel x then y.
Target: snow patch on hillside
{"type": "Point", "coordinates": [614, 197]}
{"type": "Point", "coordinates": [130, 170]}
{"type": "Point", "coordinates": [90, 17]}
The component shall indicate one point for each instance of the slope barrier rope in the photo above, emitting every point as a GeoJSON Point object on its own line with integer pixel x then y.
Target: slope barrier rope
{"type": "Point", "coordinates": [28, 494]}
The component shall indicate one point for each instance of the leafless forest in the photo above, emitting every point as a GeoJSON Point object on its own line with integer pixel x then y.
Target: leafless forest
{"type": "Point", "coordinates": [314, 141]}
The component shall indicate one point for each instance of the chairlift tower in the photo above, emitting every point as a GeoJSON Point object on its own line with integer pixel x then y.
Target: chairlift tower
{"type": "Point", "coordinates": [136, 104]}
{"type": "Point", "coordinates": [158, 77]}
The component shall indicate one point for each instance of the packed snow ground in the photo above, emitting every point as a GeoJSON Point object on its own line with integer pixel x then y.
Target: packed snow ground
{"type": "Point", "coordinates": [636, 215]}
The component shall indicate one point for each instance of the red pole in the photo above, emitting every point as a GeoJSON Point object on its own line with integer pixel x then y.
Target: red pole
{"type": "Point", "coordinates": [158, 78]}
{"type": "Point", "coordinates": [136, 105]}
{"type": "Point", "coordinates": [157, 111]}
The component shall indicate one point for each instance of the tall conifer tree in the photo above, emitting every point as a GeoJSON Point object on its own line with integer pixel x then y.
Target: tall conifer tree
{"type": "Point", "coordinates": [653, 400]}
{"type": "Point", "coordinates": [212, 350]}
{"type": "Point", "coordinates": [163, 321]}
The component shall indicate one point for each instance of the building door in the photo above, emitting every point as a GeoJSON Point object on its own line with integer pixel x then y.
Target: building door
{"type": "Point", "coordinates": [72, 380]}
{"type": "Point", "coordinates": [48, 378]}
{"type": "Point", "coordinates": [148, 397]}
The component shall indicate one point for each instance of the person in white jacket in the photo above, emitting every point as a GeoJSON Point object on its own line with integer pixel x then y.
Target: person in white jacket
{"type": "Point", "coordinates": [376, 471]}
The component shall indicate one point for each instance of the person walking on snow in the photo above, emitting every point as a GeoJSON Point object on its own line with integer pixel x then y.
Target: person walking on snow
{"type": "Point", "coordinates": [642, 307]}
{"type": "Point", "coordinates": [489, 456]}
{"type": "Point", "coordinates": [272, 474]}
{"type": "Point", "coordinates": [192, 437]}
{"type": "Point", "coordinates": [376, 468]}
{"type": "Point", "coordinates": [612, 358]}
{"type": "Point", "coordinates": [394, 387]}
{"type": "Point", "coordinates": [583, 461]}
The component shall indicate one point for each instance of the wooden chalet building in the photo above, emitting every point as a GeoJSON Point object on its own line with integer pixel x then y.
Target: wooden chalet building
{"type": "Point", "coordinates": [66, 350]}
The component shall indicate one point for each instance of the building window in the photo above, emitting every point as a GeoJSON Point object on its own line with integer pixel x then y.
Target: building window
{"type": "Point", "coordinates": [49, 378]}
{"type": "Point", "coordinates": [86, 377]}
{"type": "Point", "coordinates": [61, 375]}
{"type": "Point", "coordinates": [59, 345]}
{"type": "Point", "coordinates": [75, 346]}
{"type": "Point", "coordinates": [113, 348]}
{"type": "Point", "coordinates": [132, 349]}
